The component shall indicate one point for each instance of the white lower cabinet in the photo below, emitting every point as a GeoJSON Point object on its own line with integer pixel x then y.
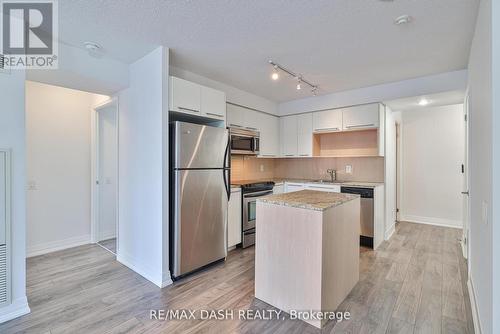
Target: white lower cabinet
{"type": "Point", "coordinates": [279, 189]}
{"type": "Point", "coordinates": [296, 186]}
{"type": "Point", "coordinates": [320, 187]}
{"type": "Point", "coordinates": [234, 218]}
{"type": "Point", "coordinates": [290, 187]}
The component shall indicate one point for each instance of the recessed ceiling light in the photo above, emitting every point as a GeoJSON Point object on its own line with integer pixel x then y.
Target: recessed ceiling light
{"type": "Point", "coordinates": [423, 102]}
{"type": "Point", "coordinates": [94, 49]}
{"type": "Point", "coordinates": [403, 19]}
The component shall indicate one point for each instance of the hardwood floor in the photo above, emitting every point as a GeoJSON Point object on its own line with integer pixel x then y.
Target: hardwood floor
{"type": "Point", "coordinates": [414, 283]}
{"type": "Point", "coordinates": [109, 244]}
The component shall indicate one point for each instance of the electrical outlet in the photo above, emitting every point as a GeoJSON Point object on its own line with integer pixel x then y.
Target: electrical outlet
{"type": "Point", "coordinates": [261, 168]}
{"type": "Point", "coordinates": [348, 169]}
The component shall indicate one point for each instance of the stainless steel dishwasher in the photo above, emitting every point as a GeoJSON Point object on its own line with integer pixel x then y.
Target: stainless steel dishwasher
{"type": "Point", "coordinates": [367, 219]}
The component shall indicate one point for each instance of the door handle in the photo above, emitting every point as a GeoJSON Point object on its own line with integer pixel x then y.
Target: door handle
{"type": "Point", "coordinates": [465, 193]}
{"type": "Point", "coordinates": [188, 109]}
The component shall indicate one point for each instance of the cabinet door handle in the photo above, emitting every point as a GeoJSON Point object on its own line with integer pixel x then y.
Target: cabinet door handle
{"type": "Point", "coordinates": [359, 126]}
{"type": "Point", "coordinates": [289, 155]}
{"type": "Point", "coordinates": [304, 155]}
{"type": "Point", "coordinates": [211, 114]}
{"type": "Point", "coordinates": [326, 129]}
{"type": "Point", "coordinates": [187, 109]}
{"type": "Point", "coordinates": [235, 125]}
{"type": "Point", "coordinates": [250, 128]}
{"type": "Point", "coordinates": [267, 155]}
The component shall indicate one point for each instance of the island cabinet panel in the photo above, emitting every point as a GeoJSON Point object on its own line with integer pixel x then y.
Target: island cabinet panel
{"type": "Point", "coordinates": [306, 259]}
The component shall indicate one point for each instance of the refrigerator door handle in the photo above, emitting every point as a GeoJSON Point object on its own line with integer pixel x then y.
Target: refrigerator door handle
{"type": "Point", "coordinates": [227, 160]}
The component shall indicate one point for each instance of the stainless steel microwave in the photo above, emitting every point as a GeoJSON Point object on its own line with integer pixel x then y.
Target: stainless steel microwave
{"type": "Point", "coordinates": [244, 141]}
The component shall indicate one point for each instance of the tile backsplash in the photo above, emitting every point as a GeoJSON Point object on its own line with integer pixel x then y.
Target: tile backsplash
{"type": "Point", "coordinates": [244, 167]}
{"type": "Point", "coordinates": [370, 169]}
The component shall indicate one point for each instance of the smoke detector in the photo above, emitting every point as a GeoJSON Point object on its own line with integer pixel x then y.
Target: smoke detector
{"type": "Point", "coordinates": [403, 19]}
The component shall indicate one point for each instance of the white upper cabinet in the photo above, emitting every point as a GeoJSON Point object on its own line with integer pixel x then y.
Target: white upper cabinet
{"type": "Point", "coordinates": [190, 98]}
{"type": "Point", "coordinates": [289, 138]}
{"type": "Point", "coordinates": [361, 117]}
{"type": "Point", "coordinates": [213, 102]}
{"type": "Point", "coordinates": [305, 135]}
{"type": "Point", "coordinates": [267, 125]}
{"type": "Point", "coordinates": [269, 128]}
{"type": "Point", "coordinates": [185, 96]}
{"type": "Point", "coordinates": [327, 120]}
{"type": "Point", "coordinates": [236, 116]}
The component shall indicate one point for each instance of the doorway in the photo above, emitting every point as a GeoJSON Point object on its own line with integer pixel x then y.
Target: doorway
{"type": "Point", "coordinates": [105, 232]}
{"type": "Point", "coordinates": [465, 188]}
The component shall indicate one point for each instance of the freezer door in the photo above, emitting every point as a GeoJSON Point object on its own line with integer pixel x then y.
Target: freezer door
{"type": "Point", "coordinates": [200, 219]}
{"type": "Point", "coordinates": [199, 146]}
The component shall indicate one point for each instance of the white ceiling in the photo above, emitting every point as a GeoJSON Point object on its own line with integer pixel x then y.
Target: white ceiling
{"type": "Point", "coordinates": [435, 100]}
{"type": "Point", "coordinates": [338, 44]}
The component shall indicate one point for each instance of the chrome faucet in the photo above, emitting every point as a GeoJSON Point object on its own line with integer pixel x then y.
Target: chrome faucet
{"type": "Point", "coordinates": [333, 174]}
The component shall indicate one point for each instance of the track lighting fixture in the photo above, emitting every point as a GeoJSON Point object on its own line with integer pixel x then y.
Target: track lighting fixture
{"type": "Point", "coordinates": [300, 80]}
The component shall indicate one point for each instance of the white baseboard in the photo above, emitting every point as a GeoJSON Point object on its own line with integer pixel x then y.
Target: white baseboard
{"type": "Point", "coordinates": [432, 221]}
{"type": "Point", "coordinates": [17, 308]}
{"type": "Point", "coordinates": [473, 305]}
{"type": "Point", "coordinates": [53, 246]}
{"type": "Point", "coordinates": [390, 231]}
{"type": "Point", "coordinates": [148, 273]}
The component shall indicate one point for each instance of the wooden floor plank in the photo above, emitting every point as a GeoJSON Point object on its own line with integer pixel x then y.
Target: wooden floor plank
{"type": "Point", "coordinates": [414, 283]}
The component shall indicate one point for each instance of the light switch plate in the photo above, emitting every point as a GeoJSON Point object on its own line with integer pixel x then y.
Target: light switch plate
{"type": "Point", "coordinates": [32, 185]}
{"type": "Point", "coordinates": [485, 212]}
{"type": "Point", "coordinates": [348, 169]}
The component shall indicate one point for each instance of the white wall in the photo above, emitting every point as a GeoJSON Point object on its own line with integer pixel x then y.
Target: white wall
{"type": "Point", "coordinates": [390, 173]}
{"type": "Point", "coordinates": [108, 172]}
{"type": "Point", "coordinates": [480, 137]}
{"type": "Point", "coordinates": [78, 70]}
{"type": "Point", "coordinates": [432, 84]}
{"type": "Point", "coordinates": [233, 95]}
{"type": "Point", "coordinates": [433, 151]}
{"type": "Point", "coordinates": [143, 201]}
{"type": "Point", "coordinates": [58, 142]}
{"type": "Point", "coordinates": [496, 163]}
{"type": "Point", "coordinates": [12, 136]}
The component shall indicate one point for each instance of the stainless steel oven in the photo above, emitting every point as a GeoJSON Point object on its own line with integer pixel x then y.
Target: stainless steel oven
{"type": "Point", "coordinates": [251, 192]}
{"type": "Point", "coordinates": [244, 141]}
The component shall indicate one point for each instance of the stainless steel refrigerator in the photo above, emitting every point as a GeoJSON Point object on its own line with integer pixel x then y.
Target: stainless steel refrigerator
{"type": "Point", "coordinates": [200, 190]}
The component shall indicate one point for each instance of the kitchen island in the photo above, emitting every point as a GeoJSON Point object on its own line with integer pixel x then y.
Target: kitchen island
{"type": "Point", "coordinates": [307, 252]}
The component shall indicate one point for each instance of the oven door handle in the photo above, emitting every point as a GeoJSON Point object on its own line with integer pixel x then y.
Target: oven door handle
{"type": "Point", "coordinates": [259, 194]}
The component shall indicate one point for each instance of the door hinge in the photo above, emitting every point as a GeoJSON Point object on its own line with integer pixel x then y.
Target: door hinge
{"type": "Point", "coordinates": [97, 182]}
{"type": "Point", "coordinates": [397, 210]}
{"type": "Point", "coordinates": [465, 117]}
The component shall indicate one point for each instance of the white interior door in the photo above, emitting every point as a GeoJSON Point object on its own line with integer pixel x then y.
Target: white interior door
{"type": "Point", "coordinates": [107, 173]}
{"type": "Point", "coordinates": [465, 187]}
{"type": "Point", "coordinates": [3, 198]}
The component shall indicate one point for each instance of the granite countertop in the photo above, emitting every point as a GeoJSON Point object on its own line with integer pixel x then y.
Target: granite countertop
{"type": "Point", "coordinates": [309, 199]}
{"type": "Point", "coordinates": [338, 183]}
